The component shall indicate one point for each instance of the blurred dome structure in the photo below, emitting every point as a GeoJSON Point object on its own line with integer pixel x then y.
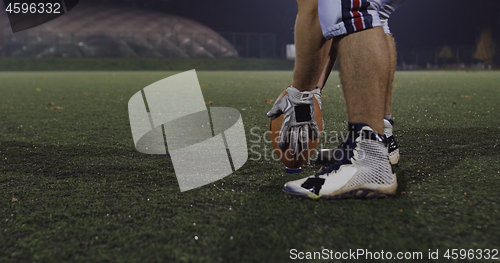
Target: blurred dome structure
{"type": "Point", "coordinates": [114, 31]}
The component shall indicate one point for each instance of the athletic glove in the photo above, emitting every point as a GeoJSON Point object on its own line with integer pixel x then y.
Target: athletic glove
{"type": "Point", "coordinates": [298, 124]}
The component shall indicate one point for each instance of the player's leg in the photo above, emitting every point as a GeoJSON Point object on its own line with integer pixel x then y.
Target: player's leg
{"type": "Point", "coordinates": [392, 71]}
{"type": "Point", "coordinates": [329, 64]}
{"type": "Point", "coordinates": [364, 170]}
{"type": "Point", "coordinates": [310, 45]}
{"type": "Point", "coordinates": [297, 104]}
{"type": "Point", "coordinates": [385, 12]}
{"type": "Point", "coordinates": [325, 155]}
{"type": "Point", "coordinates": [388, 122]}
{"type": "Point", "coordinates": [364, 71]}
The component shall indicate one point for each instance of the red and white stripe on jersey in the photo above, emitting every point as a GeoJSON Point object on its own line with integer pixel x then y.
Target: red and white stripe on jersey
{"type": "Point", "coordinates": [355, 15]}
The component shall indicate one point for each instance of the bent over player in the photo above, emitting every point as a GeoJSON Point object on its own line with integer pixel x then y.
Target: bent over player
{"type": "Point", "coordinates": [366, 70]}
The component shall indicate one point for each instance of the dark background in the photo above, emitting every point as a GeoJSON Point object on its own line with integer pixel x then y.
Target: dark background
{"type": "Point", "coordinates": [416, 24]}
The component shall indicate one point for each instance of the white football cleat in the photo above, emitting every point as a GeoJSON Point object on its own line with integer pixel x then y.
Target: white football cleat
{"type": "Point", "coordinates": [325, 155]}
{"type": "Point", "coordinates": [363, 172]}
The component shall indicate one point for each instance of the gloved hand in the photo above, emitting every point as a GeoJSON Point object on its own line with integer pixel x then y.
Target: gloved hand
{"type": "Point", "coordinates": [298, 124]}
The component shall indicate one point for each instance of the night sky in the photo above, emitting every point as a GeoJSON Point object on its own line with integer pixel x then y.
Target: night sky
{"type": "Point", "coordinates": [418, 24]}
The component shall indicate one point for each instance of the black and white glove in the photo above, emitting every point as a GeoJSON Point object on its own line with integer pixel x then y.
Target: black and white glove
{"type": "Point", "coordinates": [299, 124]}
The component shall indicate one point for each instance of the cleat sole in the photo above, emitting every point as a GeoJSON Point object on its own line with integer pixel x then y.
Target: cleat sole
{"type": "Point", "coordinates": [356, 194]}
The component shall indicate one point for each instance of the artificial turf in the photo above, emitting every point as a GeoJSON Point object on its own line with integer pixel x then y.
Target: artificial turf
{"type": "Point", "coordinates": [74, 189]}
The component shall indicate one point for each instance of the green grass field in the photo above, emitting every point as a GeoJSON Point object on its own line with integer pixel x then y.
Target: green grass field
{"type": "Point", "coordinates": [74, 189]}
